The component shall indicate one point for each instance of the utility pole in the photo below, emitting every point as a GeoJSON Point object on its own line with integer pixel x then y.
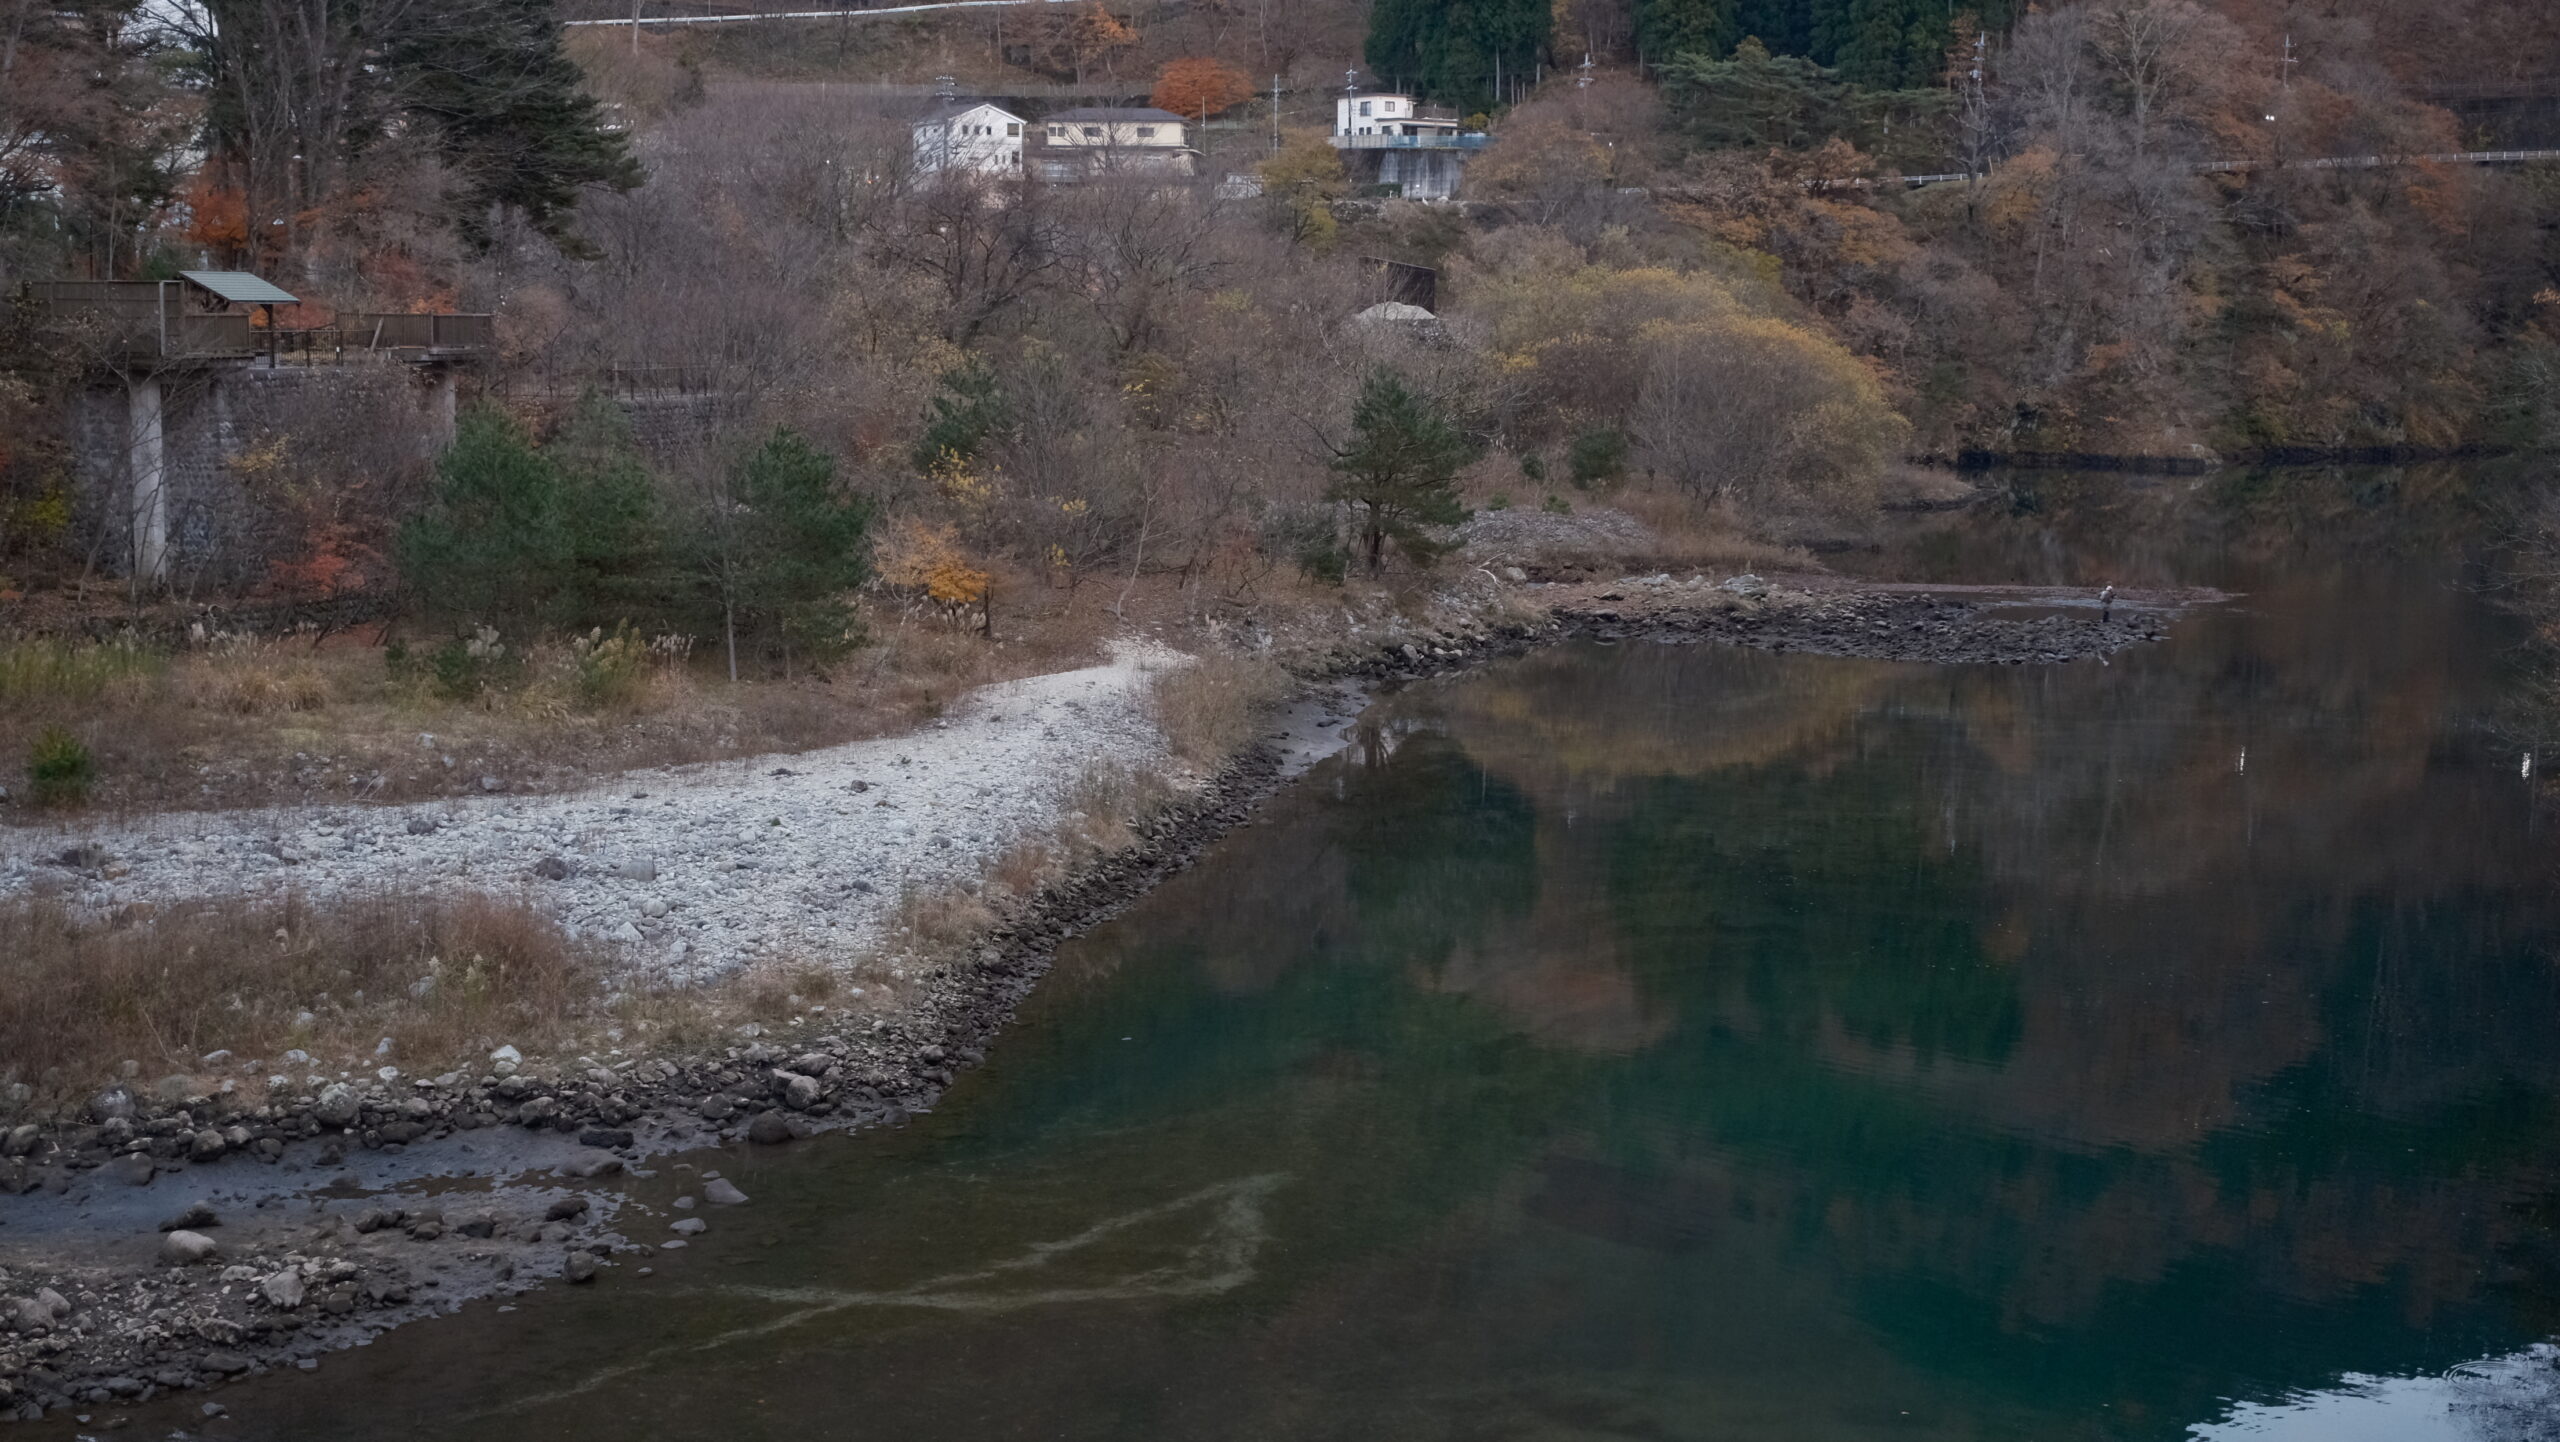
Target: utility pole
{"type": "Point", "coordinates": [635, 27]}
{"type": "Point", "coordinates": [1275, 115]}
{"type": "Point", "coordinates": [1585, 82]}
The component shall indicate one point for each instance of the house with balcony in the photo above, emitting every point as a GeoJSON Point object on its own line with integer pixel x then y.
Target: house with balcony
{"type": "Point", "coordinates": [1098, 142]}
{"type": "Point", "coordinates": [1395, 140]}
{"type": "Point", "coordinates": [975, 137]}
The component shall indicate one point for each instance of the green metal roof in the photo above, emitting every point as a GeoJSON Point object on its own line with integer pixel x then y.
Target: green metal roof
{"type": "Point", "coordinates": [239, 287]}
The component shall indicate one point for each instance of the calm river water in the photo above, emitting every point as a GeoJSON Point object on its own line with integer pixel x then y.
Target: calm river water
{"type": "Point", "coordinates": [1650, 1043]}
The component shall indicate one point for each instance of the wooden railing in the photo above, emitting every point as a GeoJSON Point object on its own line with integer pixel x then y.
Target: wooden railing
{"type": "Point", "coordinates": [126, 320]}
{"type": "Point", "coordinates": [379, 332]}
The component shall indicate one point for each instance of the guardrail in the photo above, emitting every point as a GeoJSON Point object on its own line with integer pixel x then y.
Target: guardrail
{"type": "Point", "coordinates": [2237, 167]}
{"type": "Point", "coordinates": [1412, 142]}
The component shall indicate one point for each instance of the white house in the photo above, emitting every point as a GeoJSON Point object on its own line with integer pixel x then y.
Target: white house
{"type": "Point", "coordinates": [971, 135]}
{"type": "Point", "coordinates": [1391, 139]}
{"type": "Point", "coordinates": [1092, 141]}
{"type": "Point", "coordinates": [1358, 114]}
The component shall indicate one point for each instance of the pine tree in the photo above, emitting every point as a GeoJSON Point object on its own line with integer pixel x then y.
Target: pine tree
{"type": "Point", "coordinates": [488, 545]}
{"type": "Point", "coordinates": [1400, 470]}
{"type": "Point", "coordinates": [515, 539]}
{"type": "Point", "coordinates": [780, 551]}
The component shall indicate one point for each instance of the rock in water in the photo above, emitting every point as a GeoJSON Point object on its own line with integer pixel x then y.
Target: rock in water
{"type": "Point", "coordinates": [690, 1227]}
{"type": "Point", "coordinates": [566, 1208]}
{"type": "Point", "coordinates": [721, 1192]}
{"type": "Point", "coordinates": [184, 1249]}
{"type": "Point", "coordinates": [768, 1129]}
{"type": "Point", "coordinates": [580, 1267]}
{"type": "Point", "coordinates": [338, 1105]}
{"type": "Point", "coordinates": [133, 1169]}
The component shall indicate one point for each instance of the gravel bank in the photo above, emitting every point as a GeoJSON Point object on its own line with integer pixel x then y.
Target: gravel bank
{"type": "Point", "coordinates": [692, 872]}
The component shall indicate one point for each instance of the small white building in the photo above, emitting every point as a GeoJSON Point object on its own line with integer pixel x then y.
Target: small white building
{"type": "Point", "coordinates": [972, 135]}
{"type": "Point", "coordinates": [1392, 139]}
{"type": "Point", "coordinates": [1358, 114]}
{"type": "Point", "coordinates": [1094, 141]}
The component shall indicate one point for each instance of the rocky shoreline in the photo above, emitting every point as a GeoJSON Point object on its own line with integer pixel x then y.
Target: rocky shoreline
{"type": "Point", "coordinates": [192, 1269]}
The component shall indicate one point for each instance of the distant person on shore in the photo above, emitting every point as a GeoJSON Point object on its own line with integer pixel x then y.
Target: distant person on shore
{"type": "Point", "coordinates": [2106, 604]}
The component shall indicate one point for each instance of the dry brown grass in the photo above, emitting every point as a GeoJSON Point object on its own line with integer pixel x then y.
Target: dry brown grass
{"type": "Point", "coordinates": [242, 676]}
{"type": "Point", "coordinates": [1210, 709]}
{"type": "Point", "coordinates": [242, 722]}
{"type": "Point", "coordinates": [443, 980]}
{"type": "Point", "coordinates": [1702, 536]}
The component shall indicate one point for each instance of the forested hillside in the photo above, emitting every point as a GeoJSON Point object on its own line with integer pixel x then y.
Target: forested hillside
{"type": "Point", "coordinates": [1689, 267]}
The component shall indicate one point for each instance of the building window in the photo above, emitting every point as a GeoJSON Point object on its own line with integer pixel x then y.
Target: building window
{"type": "Point", "coordinates": [1146, 132]}
{"type": "Point", "coordinates": [1093, 132]}
{"type": "Point", "coordinates": [1057, 132]}
{"type": "Point", "coordinates": [1013, 130]}
{"type": "Point", "coordinates": [1364, 108]}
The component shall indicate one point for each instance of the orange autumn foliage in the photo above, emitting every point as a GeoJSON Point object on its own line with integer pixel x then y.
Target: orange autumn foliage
{"type": "Point", "coordinates": [916, 555]}
{"type": "Point", "coordinates": [1198, 86]}
{"type": "Point", "coordinates": [217, 215]}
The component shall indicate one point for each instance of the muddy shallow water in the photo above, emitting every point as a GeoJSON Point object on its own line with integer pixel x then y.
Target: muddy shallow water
{"type": "Point", "coordinates": [1646, 1042]}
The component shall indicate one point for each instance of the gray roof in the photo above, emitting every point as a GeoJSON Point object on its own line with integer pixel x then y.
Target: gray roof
{"type": "Point", "coordinates": [240, 287]}
{"type": "Point", "coordinates": [953, 109]}
{"type": "Point", "coordinates": [1113, 112]}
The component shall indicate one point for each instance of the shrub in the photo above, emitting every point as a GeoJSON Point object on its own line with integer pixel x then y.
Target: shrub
{"type": "Point", "coordinates": [1598, 456]}
{"type": "Point", "coordinates": [1310, 539]}
{"type": "Point", "coordinates": [1772, 415]}
{"type": "Point", "coordinates": [1557, 506]}
{"type": "Point", "coordinates": [1324, 561]}
{"type": "Point", "coordinates": [1211, 708]}
{"type": "Point", "coordinates": [610, 670]}
{"type": "Point", "coordinates": [461, 669]}
{"type": "Point", "coordinates": [60, 769]}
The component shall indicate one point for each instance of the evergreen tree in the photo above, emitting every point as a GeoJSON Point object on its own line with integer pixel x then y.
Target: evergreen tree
{"type": "Point", "coordinates": [1757, 100]}
{"type": "Point", "coordinates": [617, 544]}
{"type": "Point", "coordinates": [781, 551]}
{"type": "Point", "coordinates": [1454, 51]}
{"type": "Point", "coordinates": [970, 413]}
{"type": "Point", "coordinates": [1892, 44]}
{"type": "Point", "coordinates": [298, 98]}
{"type": "Point", "coordinates": [1667, 28]}
{"type": "Point", "coordinates": [514, 539]}
{"type": "Point", "coordinates": [1400, 470]}
{"type": "Point", "coordinates": [511, 114]}
{"type": "Point", "coordinates": [1784, 26]}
